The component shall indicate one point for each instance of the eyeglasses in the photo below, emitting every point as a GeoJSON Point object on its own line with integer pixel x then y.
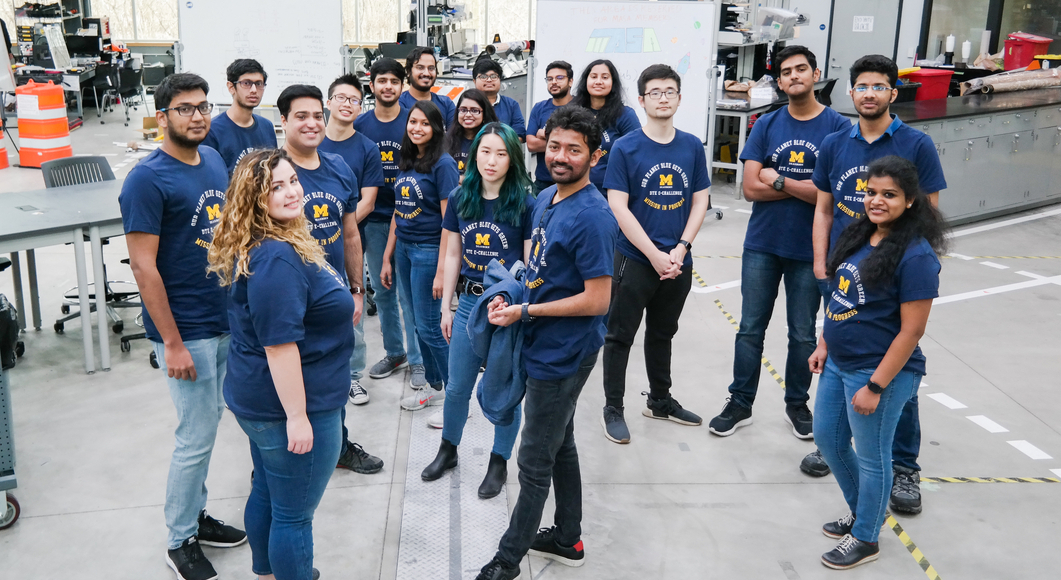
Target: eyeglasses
{"type": "Point", "coordinates": [656, 94]}
{"type": "Point", "coordinates": [557, 78]}
{"type": "Point", "coordinates": [345, 99]}
{"type": "Point", "coordinates": [488, 77]}
{"type": "Point", "coordinates": [467, 111]}
{"type": "Point", "coordinates": [874, 88]}
{"type": "Point", "coordinates": [248, 84]}
{"type": "Point", "coordinates": [189, 110]}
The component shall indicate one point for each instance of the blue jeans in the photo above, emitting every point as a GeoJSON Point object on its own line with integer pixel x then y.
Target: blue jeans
{"type": "Point", "coordinates": [463, 368]}
{"type": "Point", "coordinates": [199, 404]}
{"type": "Point", "coordinates": [416, 265]}
{"type": "Point", "coordinates": [907, 444]}
{"type": "Point", "coordinates": [761, 275]}
{"type": "Point", "coordinates": [865, 477]}
{"type": "Point", "coordinates": [285, 493]}
{"type": "Point", "coordinates": [375, 243]}
{"type": "Point", "coordinates": [547, 454]}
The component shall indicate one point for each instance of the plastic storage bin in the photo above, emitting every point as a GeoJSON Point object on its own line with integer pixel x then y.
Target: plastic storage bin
{"type": "Point", "coordinates": [907, 91]}
{"type": "Point", "coordinates": [1021, 49]}
{"type": "Point", "coordinates": [935, 83]}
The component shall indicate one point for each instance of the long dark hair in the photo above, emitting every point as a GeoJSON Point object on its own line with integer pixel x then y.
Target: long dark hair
{"type": "Point", "coordinates": [613, 103]}
{"type": "Point", "coordinates": [432, 150]}
{"type": "Point", "coordinates": [455, 135]}
{"type": "Point", "coordinates": [511, 201]}
{"type": "Point", "coordinates": [920, 220]}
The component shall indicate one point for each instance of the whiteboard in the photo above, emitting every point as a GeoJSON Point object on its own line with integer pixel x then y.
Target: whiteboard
{"type": "Point", "coordinates": [634, 35]}
{"type": "Point", "coordinates": [296, 44]}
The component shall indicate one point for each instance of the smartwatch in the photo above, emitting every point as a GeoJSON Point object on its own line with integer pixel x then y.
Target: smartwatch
{"type": "Point", "coordinates": [874, 387]}
{"type": "Point", "coordinates": [526, 317]}
{"type": "Point", "coordinates": [688, 246]}
{"type": "Point", "coordinates": [356, 290]}
{"type": "Point", "coordinates": [779, 183]}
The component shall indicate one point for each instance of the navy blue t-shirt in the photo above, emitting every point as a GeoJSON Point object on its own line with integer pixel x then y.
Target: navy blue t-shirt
{"type": "Point", "coordinates": [362, 155]}
{"type": "Point", "coordinates": [861, 321]}
{"type": "Point", "coordinates": [329, 192]}
{"type": "Point", "coordinates": [462, 157]}
{"type": "Point", "coordinates": [627, 123]}
{"type": "Point", "coordinates": [572, 241]}
{"type": "Point", "coordinates": [181, 204]}
{"type": "Point", "coordinates": [845, 157]}
{"type": "Point", "coordinates": [789, 146]}
{"type": "Point", "coordinates": [418, 201]}
{"type": "Point", "coordinates": [509, 113]}
{"type": "Point", "coordinates": [539, 116]}
{"type": "Point", "coordinates": [388, 138]}
{"type": "Point", "coordinates": [285, 300]}
{"type": "Point", "coordinates": [233, 141]}
{"type": "Point", "coordinates": [486, 238]}
{"type": "Point", "coordinates": [661, 180]}
{"type": "Point", "coordinates": [445, 106]}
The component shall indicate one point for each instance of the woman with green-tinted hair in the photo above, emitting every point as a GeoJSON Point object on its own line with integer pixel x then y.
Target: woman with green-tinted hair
{"type": "Point", "coordinates": [488, 217]}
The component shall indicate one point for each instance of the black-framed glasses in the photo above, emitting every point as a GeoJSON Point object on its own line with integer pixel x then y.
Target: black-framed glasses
{"type": "Point", "coordinates": [656, 94]}
{"type": "Point", "coordinates": [468, 111]}
{"type": "Point", "coordinates": [345, 99]}
{"type": "Point", "coordinates": [189, 110]}
{"type": "Point", "coordinates": [874, 88]}
{"type": "Point", "coordinates": [490, 77]}
{"type": "Point", "coordinates": [557, 78]}
{"type": "Point", "coordinates": [248, 84]}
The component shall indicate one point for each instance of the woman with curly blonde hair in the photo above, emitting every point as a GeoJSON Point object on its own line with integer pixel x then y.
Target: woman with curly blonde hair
{"type": "Point", "coordinates": [289, 361]}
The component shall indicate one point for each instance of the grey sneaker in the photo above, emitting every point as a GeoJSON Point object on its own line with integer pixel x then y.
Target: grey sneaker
{"type": "Point", "coordinates": [615, 425]}
{"type": "Point", "coordinates": [387, 366]}
{"type": "Point", "coordinates": [418, 378]}
{"type": "Point", "coordinates": [424, 398]}
{"type": "Point", "coordinates": [906, 490]}
{"type": "Point", "coordinates": [358, 394]}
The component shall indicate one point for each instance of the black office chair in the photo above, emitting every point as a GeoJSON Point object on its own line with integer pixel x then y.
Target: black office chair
{"type": "Point", "coordinates": [79, 171]}
{"type": "Point", "coordinates": [106, 80]}
{"type": "Point", "coordinates": [131, 90]}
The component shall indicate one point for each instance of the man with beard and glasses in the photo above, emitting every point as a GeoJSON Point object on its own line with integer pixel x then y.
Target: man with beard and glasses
{"type": "Point", "coordinates": [558, 82]}
{"type": "Point", "coordinates": [171, 202]}
{"type": "Point", "coordinates": [385, 124]}
{"type": "Point", "coordinates": [841, 182]}
{"type": "Point", "coordinates": [658, 189]}
{"type": "Point", "coordinates": [488, 76]}
{"type": "Point", "coordinates": [568, 283]}
{"type": "Point", "coordinates": [421, 69]}
{"type": "Point", "coordinates": [238, 130]}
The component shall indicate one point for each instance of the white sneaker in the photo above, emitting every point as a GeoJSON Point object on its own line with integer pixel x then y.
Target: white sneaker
{"type": "Point", "coordinates": [358, 394]}
{"type": "Point", "coordinates": [424, 398]}
{"type": "Point", "coordinates": [435, 421]}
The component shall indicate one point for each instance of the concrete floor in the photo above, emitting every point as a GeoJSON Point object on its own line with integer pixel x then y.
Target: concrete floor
{"type": "Point", "coordinates": [93, 450]}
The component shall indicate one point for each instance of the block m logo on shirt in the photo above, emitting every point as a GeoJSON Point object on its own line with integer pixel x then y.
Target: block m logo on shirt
{"type": "Point", "coordinates": [844, 284]}
{"type": "Point", "coordinates": [860, 184]}
{"type": "Point", "coordinates": [482, 239]}
{"type": "Point", "coordinates": [213, 212]}
{"type": "Point", "coordinates": [405, 191]}
{"type": "Point", "coordinates": [387, 156]}
{"type": "Point", "coordinates": [666, 180]}
{"type": "Point", "coordinates": [795, 156]}
{"type": "Point", "coordinates": [320, 211]}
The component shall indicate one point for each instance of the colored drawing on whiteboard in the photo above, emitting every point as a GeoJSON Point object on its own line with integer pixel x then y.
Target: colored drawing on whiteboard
{"type": "Point", "coordinates": [623, 40]}
{"type": "Point", "coordinates": [683, 64]}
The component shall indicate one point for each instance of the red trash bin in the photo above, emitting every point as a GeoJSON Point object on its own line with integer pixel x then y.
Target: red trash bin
{"type": "Point", "coordinates": [935, 83]}
{"type": "Point", "coordinates": [1021, 49]}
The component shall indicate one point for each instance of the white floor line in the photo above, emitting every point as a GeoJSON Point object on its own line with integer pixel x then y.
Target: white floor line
{"type": "Point", "coordinates": [988, 424]}
{"type": "Point", "coordinates": [994, 265]}
{"type": "Point", "coordinates": [743, 211]}
{"type": "Point", "coordinates": [719, 207]}
{"type": "Point", "coordinates": [960, 256]}
{"type": "Point", "coordinates": [1003, 224]}
{"type": "Point", "coordinates": [947, 401]}
{"type": "Point", "coordinates": [1056, 472]}
{"type": "Point", "coordinates": [716, 287]}
{"type": "Point", "coordinates": [1030, 275]}
{"type": "Point", "coordinates": [996, 290]}
{"type": "Point", "coordinates": [1029, 449]}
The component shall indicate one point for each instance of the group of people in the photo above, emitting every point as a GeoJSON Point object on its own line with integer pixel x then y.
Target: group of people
{"type": "Point", "coordinates": [254, 263]}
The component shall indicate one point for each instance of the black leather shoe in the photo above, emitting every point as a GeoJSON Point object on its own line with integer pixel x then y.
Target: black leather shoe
{"type": "Point", "coordinates": [496, 474]}
{"type": "Point", "coordinates": [444, 461]}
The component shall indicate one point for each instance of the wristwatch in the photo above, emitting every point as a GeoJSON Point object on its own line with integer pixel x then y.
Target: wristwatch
{"type": "Point", "coordinates": [526, 317]}
{"type": "Point", "coordinates": [356, 290]}
{"type": "Point", "coordinates": [874, 387]}
{"type": "Point", "coordinates": [779, 183]}
{"type": "Point", "coordinates": [688, 246]}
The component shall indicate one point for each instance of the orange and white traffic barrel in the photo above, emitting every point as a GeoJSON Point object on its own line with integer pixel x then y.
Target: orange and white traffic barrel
{"type": "Point", "coordinates": [43, 131]}
{"type": "Point", "coordinates": [3, 151]}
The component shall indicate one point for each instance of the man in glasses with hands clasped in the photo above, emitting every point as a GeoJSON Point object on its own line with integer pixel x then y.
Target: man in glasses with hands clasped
{"type": "Point", "coordinates": [170, 204]}
{"type": "Point", "coordinates": [558, 82]}
{"type": "Point", "coordinates": [238, 130]}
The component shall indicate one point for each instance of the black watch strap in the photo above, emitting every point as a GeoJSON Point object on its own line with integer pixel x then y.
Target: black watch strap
{"type": "Point", "coordinates": [688, 246]}
{"type": "Point", "coordinates": [874, 387]}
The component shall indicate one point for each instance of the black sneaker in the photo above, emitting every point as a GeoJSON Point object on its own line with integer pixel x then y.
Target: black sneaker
{"type": "Point", "coordinates": [670, 410]}
{"type": "Point", "coordinates": [355, 458]}
{"type": "Point", "coordinates": [546, 546]}
{"type": "Point", "coordinates": [906, 490]}
{"type": "Point", "coordinates": [387, 366]}
{"type": "Point", "coordinates": [801, 420]}
{"type": "Point", "coordinates": [214, 532]}
{"type": "Point", "coordinates": [733, 415]}
{"type": "Point", "coordinates": [615, 425]}
{"type": "Point", "coordinates": [850, 552]}
{"type": "Point", "coordinates": [189, 562]}
{"type": "Point", "coordinates": [840, 527]}
{"type": "Point", "coordinates": [814, 464]}
{"type": "Point", "coordinates": [497, 570]}
{"type": "Point", "coordinates": [370, 304]}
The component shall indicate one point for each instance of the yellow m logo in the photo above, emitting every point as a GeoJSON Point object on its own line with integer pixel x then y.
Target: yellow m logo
{"type": "Point", "coordinates": [386, 156]}
{"type": "Point", "coordinates": [460, 165]}
{"type": "Point", "coordinates": [666, 180]}
{"type": "Point", "coordinates": [482, 239]}
{"type": "Point", "coordinates": [405, 192]}
{"type": "Point", "coordinates": [795, 157]}
{"type": "Point", "coordinates": [844, 284]}
{"type": "Point", "coordinates": [213, 211]}
{"type": "Point", "coordinates": [537, 247]}
{"type": "Point", "coordinates": [320, 211]}
{"type": "Point", "coordinates": [860, 184]}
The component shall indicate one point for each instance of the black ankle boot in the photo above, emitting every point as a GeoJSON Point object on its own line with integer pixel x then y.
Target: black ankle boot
{"type": "Point", "coordinates": [496, 474]}
{"type": "Point", "coordinates": [444, 461]}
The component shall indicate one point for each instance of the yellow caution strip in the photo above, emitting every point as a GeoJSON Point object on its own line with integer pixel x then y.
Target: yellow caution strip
{"type": "Point", "coordinates": [991, 479]}
{"type": "Point", "coordinates": [912, 548]}
{"type": "Point", "coordinates": [766, 362]}
{"type": "Point", "coordinates": [699, 280]}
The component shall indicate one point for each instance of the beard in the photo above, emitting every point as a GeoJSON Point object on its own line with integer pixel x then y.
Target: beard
{"type": "Point", "coordinates": [881, 111]}
{"type": "Point", "coordinates": [182, 140]}
{"type": "Point", "coordinates": [571, 177]}
{"type": "Point", "coordinates": [384, 103]}
{"type": "Point", "coordinates": [561, 94]}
